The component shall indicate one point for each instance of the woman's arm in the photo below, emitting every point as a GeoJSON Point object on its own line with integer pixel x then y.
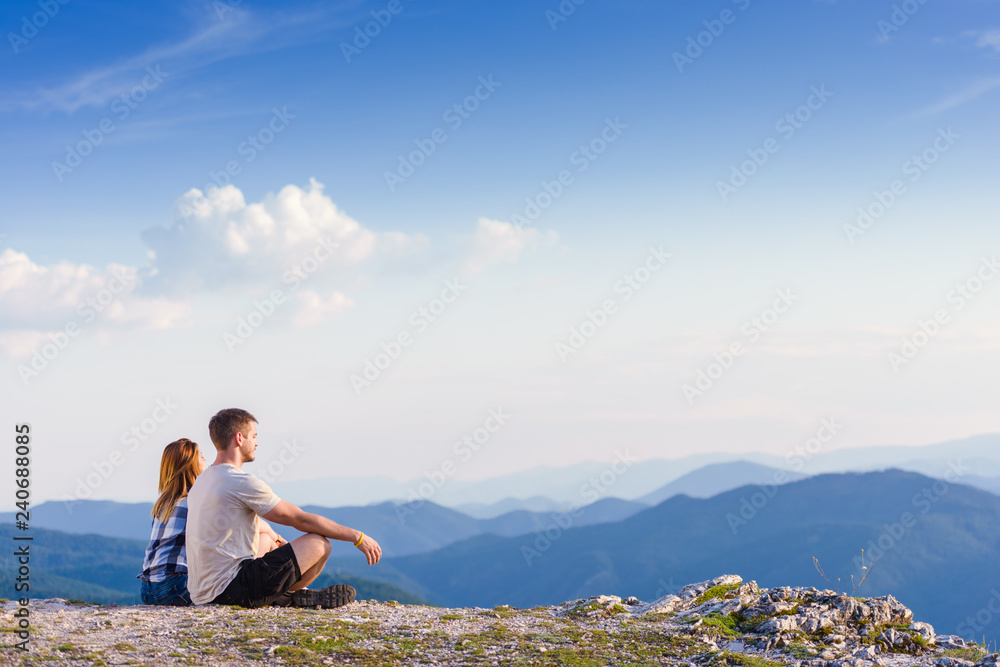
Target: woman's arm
{"type": "Point", "coordinates": [266, 529]}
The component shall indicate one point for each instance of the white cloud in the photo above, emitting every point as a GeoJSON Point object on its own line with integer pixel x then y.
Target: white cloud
{"type": "Point", "coordinates": [496, 241]}
{"type": "Point", "coordinates": [36, 299]}
{"type": "Point", "coordinates": [312, 308]}
{"type": "Point", "coordinates": [221, 241]}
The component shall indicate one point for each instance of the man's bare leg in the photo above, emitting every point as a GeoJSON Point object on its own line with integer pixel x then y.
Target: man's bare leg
{"type": "Point", "coordinates": [311, 553]}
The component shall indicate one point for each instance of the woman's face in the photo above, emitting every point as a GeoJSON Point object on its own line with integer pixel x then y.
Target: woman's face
{"type": "Point", "coordinates": [202, 463]}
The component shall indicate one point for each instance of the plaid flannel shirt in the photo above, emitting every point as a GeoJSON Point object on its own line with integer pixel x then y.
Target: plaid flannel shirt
{"type": "Point", "coordinates": [165, 553]}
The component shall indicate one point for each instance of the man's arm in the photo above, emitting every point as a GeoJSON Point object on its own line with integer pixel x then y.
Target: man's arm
{"type": "Point", "coordinates": [291, 515]}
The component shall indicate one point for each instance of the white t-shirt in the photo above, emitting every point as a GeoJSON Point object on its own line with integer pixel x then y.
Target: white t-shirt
{"type": "Point", "coordinates": [224, 506]}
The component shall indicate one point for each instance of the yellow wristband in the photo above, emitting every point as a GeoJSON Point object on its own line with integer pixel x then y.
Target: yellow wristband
{"type": "Point", "coordinates": [360, 540]}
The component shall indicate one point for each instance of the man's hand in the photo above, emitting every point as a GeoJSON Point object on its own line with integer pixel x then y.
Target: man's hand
{"type": "Point", "coordinates": [370, 548]}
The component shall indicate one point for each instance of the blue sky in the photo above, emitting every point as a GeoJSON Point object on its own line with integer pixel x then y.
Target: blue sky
{"type": "Point", "coordinates": [186, 88]}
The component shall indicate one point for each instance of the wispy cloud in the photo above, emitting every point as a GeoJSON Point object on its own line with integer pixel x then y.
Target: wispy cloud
{"type": "Point", "coordinates": [240, 33]}
{"type": "Point", "coordinates": [964, 96]}
{"type": "Point", "coordinates": [985, 39]}
{"type": "Point", "coordinates": [496, 241]}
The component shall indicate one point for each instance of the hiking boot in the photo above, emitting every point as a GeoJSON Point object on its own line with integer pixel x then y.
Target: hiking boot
{"type": "Point", "coordinates": [327, 598]}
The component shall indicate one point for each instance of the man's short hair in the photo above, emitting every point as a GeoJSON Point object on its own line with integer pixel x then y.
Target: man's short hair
{"type": "Point", "coordinates": [227, 423]}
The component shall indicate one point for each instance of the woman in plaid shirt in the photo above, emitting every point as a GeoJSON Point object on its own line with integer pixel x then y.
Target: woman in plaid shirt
{"type": "Point", "coordinates": [164, 570]}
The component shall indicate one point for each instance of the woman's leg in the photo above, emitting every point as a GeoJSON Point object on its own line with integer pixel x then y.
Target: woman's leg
{"type": "Point", "coordinates": [171, 592]}
{"type": "Point", "coordinates": [146, 592]}
{"type": "Point", "coordinates": [264, 545]}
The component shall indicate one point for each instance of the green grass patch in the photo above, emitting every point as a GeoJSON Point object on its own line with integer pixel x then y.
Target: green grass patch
{"type": "Point", "coordinates": [715, 592]}
{"type": "Point", "coordinates": [727, 625]}
{"type": "Point", "coordinates": [974, 653]}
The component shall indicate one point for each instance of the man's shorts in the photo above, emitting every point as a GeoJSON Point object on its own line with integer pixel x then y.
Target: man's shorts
{"type": "Point", "coordinates": [261, 581]}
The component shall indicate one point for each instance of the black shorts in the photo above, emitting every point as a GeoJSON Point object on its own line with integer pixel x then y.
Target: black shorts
{"type": "Point", "coordinates": [261, 581]}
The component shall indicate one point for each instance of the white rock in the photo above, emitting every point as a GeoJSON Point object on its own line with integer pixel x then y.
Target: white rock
{"type": "Point", "coordinates": [736, 646]}
{"type": "Point", "coordinates": [665, 604]}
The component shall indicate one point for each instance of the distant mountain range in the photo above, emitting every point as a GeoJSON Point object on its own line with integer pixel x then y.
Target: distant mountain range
{"type": "Point", "coordinates": [562, 486]}
{"type": "Point", "coordinates": [933, 545]}
{"type": "Point", "coordinates": [719, 477]}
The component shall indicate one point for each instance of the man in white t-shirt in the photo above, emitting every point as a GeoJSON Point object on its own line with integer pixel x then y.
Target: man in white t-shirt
{"type": "Point", "coordinates": [232, 557]}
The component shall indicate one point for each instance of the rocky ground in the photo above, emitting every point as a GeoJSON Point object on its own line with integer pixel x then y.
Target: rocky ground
{"type": "Point", "coordinates": [718, 622]}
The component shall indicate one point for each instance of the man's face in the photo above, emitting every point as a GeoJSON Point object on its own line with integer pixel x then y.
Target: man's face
{"type": "Point", "coordinates": [249, 444]}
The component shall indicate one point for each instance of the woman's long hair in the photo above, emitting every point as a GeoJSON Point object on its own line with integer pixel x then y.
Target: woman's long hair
{"type": "Point", "coordinates": [178, 470]}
